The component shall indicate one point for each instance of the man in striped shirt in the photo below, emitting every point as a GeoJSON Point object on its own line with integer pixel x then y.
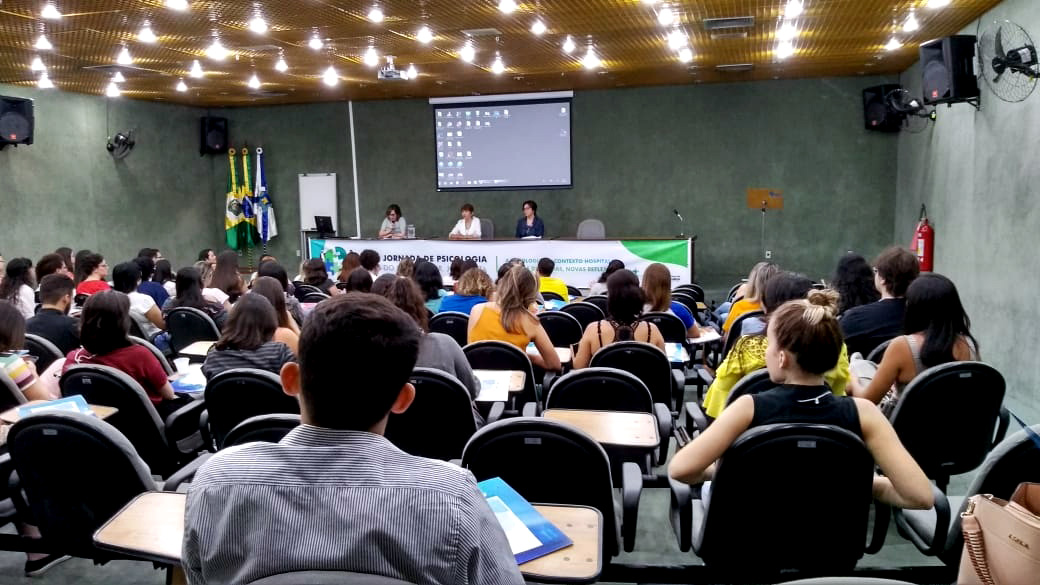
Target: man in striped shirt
{"type": "Point", "coordinates": [334, 494]}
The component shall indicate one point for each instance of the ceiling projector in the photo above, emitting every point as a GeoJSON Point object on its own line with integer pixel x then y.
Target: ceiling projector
{"type": "Point", "coordinates": [390, 73]}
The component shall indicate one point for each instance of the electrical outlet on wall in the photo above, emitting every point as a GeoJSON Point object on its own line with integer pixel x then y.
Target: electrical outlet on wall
{"type": "Point", "coordinates": [769, 254]}
{"type": "Point", "coordinates": [297, 253]}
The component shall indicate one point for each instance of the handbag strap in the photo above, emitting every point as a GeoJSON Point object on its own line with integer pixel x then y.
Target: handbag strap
{"type": "Point", "coordinates": [974, 546]}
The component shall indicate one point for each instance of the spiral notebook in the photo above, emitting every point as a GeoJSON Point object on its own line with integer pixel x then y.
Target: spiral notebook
{"type": "Point", "coordinates": [530, 535]}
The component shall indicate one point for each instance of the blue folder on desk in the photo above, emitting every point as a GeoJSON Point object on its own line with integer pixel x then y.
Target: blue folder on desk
{"type": "Point", "coordinates": [530, 535]}
{"type": "Point", "coordinates": [74, 403]}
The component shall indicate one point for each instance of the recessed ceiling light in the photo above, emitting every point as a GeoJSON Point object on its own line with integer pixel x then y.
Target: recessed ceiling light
{"type": "Point", "coordinates": [258, 25]}
{"type": "Point", "coordinates": [44, 81]}
{"type": "Point", "coordinates": [507, 6]}
{"type": "Point", "coordinates": [568, 45]}
{"type": "Point", "coordinates": [676, 40]}
{"type": "Point", "coordinates": [181, 86]}
{"type": "Point", "coordinates": [330, 77]}
{"type": "Point", "coordinates": [37, 64]}
{"type": "Point", "coordinates": [424, 35]}
{"type": "Point", "coordinates": [196, 69]}
{"type": "Point", "coordinates": [146, 34]}
{"type": "Point", "coordinates": [650, 2]}
{"type": "Point", "coordinates": [787, 32]}
{"type": "Point", "coordinates": [315, 43]}
{"type": "Point", "coordinates": [498, 66]}
{"type": "Point", "coordinates": [216, 51]}
{"type": "Point", "coordinates": [376, 14]}
{"type": "Point", "coordinates": [254, 82]}
{"type": "Point", "coordinates": [412, 71]}
{"type": "Point", "coordinates": [371, 57]}
{"type": "Point", "coordinates": [590, 60]}
{"type": "Point", "coordinates": [893, 44]}
{"type": "Point", "coordinates": [43, 44]}
{"type": "Point", "coordinates": [281, 65]}
{"type": "Point", "coordinates": [467, 53]}
{"type": "Point", "coordinates": [112, 90]}
{"type": "Point", "coordinates": [118, 77]}
{"type": "Point", "coordinates": [911, 23]}
{"type": "Point", "coordinates": [793, 8]}
{"type": "Point", "coordinates": [50, 12]}
{"type": "Point", "coordinates": [124, 57]}
{"type": "Point", "coordinates": [665, 16]}
{"type": "Point", "coordinates": [685, 54]}
{"type": "Point", "coordinates": [938, 3]}
{"type": "Point", "coordinates": [538, 27]}
{"type": "Point", "coordinates": [784, 49]}
{"type": "Point", "coordinates": [177, 4]}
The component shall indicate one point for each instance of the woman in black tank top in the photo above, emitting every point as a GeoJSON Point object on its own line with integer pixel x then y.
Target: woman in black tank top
{"type": "Point", "coordinates": [804, 342]}
{"type": "Point", "coordinates": [625, 303]}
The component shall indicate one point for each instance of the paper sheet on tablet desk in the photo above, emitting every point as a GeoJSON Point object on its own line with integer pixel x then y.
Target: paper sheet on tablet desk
{"type": "Point", "coordinates": [677, 354]}
{"type": "Point", "coordinates": [191, 381]}
{"type": "Point", "coordinates": [706, 337]}
{"type": "Point", "coordinates": [494, 385]}
{"type": "Point", "coordinates": [530, 535]}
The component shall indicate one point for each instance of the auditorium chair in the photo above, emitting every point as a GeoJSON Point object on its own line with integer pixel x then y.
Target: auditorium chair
{"type": "Point", "coordinates": [165, 363]}
{"type": "Point", "coordinates": [694, 290]}
{"type": "Point", "coordinates": [551, 296]}
{"type": "Point", "coordinates": [187, 325]}
{"type": "Point", "coordinates": [573, 291]}
{"type": "Point", "coordinates": [671, 327]}
{"type": "Point", "coordinates": [45, 352]}
{"type": "Point", "coordinates": [441, 418]}
{"type": "Point", "coordinates": [878, 352]}
{"type": "Point", "coordinates": [267, 428]}
{"type": "Point", "coordinates": [586, 313]}
{"type": "Point", "coordinates": [487, 229]}
{"type": "Point", "coordinates": [591, 229]}
{"type": "Point", "coordinates": [1015, 460]}
{"type": "Point", "coordinates": [950, 416]}
{"type": "Point", "coordinates": [600, 301]}
{"type": "Point", "coordinates": [696, 420]}
{"type": "Point", "coordinates": [235, 395]}
{"type": "Point", "coordinates": [327, 578]}
{"type": "Point", "coordinates": [810, 488]}
{"type": "Point", "coordinates": [649, 364]}
{"type": "Point", "coordinates": [734, 331]}
{"type": "Point", "coordinates": [454, 324]}
{"type": "Point", "coordinates": [564, 330]}
{"type": "Point", "coordinates": [499, 355]}
{"type": "Point", "coordinates": [549, 462]}
{"type": "Point", "coordinates": [164, 445]}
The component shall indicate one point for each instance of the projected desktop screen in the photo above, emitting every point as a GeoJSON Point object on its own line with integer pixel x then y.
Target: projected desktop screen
{"type": "Point", "coordinates": [503, 145]}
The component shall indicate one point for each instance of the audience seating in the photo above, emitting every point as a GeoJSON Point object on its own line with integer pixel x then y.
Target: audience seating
{"type": "Point", "coordinates": [671, 327]}
{"type": "Point", "coordinates": [647, 363]}
{"type": "Point", "coordinates": [8, 511]}
{"type": "Point", "coordinates": [564, 330]}
{"type": "Point", "coordinates": [600, 301]}
{"type": "Point", "coordinates": [734, 331]}
{"type": "Point", "coordinates": [45, 352]}
{"type": "Point", "coordinates": [163, 446]}
{"type": "Point", "coordinates": [733, 290]}
{"type": "Point", "coordinates": [327, 578]}
{"type": "Point", "coordinates": [813, 484]}
{"type": "Point", "coordinates": [268, 428]}
{"type": "Point", "coordinates": [187, 325]}
{"type": "Point", "coordinates": [499, 355]}
{"type": "Point", "coordinates": [548, 462]}
{"type": "Point", "coordinates": [573, 291]}
{"type": "Point", "coordinates": [440, 419]}
{"type": "Point", "coordinates": [591, 229]}
{"type": "Point", "coordinates": [453, 324]}
{"type": "Point", "coordinates": [1015, 460]}
{"type": "Point", "coordinates": [694, 290]}
{"type": "Point", "coordinates": [551, 296]}
{"type": "Point", "coordinates": [235, 395]}
{"type": "Point", "coordinates": [10, 395]}
{"type": "Point", "coordinates": [76, 472]}
{"type": "Point", "coordinates": [950, 416]}
{"type": "Point", "coordinates": [878, 352]}
{"type": "Point", "coordinates": [686, 300]}
{"type": "Point", "coordinates": [586, 313]}
{"type": "Point", "coordinates": [165, 363]}
{"type": "Point", "coordinates": [758, 381]}
{"type": "Point", "coordinates": [598, 388]}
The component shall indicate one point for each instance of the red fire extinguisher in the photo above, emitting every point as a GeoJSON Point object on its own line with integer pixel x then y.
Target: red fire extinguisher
{"type": "Point", "coordinates": [923, 243]}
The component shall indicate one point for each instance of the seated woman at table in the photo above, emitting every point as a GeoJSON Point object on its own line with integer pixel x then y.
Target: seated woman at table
{"type": "Point", "coordinates": [625, 304]}
{"type": "Point", "coordinates": [657, 285]}
{"type": "Point", "coordinates": [104, 335]}
{"type": "Point", "coordinates": [436, 350]}
{"type": "Point", "coordinates": [394, 225]}
{"type": "Point", "coordinates": [467, 228]}
{"type": "Point", "coordinates": [749, 352]}
{"type": "Point", "coordinates": [21, 369]}
{"type": "Point", "coordinates": [509, 318]}
{"type": "Point", "coordinates": [530, 225]}
{"type": "Point", "coordinates": [428, 277]}
{"type": "Point", "coordinates": [473, 287]}
{"type": "Point", "coordinates": [189, 294]}
{"type": "Point", "coordinates": [805, 342]}
{"type": "Point", "coordinates": [248, 340]}
{"type": "Point", "coordinates": [288, 332]}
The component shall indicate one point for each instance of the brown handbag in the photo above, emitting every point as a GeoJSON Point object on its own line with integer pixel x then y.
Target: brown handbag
{"type": "Point", "coordinates": [1002, 539]}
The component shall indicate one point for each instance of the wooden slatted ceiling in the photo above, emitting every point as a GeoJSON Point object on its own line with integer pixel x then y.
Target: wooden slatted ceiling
{"type": "Point", "coordinates": [836, 37]}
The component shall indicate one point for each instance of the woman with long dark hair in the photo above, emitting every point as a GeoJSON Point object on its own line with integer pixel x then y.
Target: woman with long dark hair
{"type": "Point", "coordinates": [428, 277]}
{"type": "Point", "coordinates": [854, 282]}
{"type": "Point", "coordinates": [248, 340]}
{"type": "Point", "coordinates": [189, 294]}
{"type": "Point", "coordinates": [288, 331]}
{"type": "Point", "coordinates": [625, 304]}
{"type": "Point", "coordinates": [20, 368]}
{"type": "Point", "coordinates": [937, 331]}
{"type": "Point", "coordinates": [599, 287]}
{"type": "Point", "coordinates": [19, 286]}
{"type": "Point", "coordinates": [164, 275]}
{"type": "Point", "coordinates": [226, 277]}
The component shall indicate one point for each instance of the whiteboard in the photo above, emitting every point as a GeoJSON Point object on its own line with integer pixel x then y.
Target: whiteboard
{"type": "Point", "coordinates": [317, 197]}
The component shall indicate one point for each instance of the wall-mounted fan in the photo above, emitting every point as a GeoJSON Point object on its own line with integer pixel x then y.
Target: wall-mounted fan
{"type": "Point", "coordinates": [915, 116]}
{"type": "Point", "coordinates": [1008, 61]}
{"type": "Point", "coordinates": [120, 145]}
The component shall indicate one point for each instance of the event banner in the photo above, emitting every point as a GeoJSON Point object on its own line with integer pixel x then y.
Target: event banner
{"type": "Point", "coordinates": [578, 262]}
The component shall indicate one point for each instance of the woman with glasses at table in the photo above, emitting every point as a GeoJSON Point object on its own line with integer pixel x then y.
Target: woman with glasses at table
{"type": "Point", "coordinates": [530, 225]}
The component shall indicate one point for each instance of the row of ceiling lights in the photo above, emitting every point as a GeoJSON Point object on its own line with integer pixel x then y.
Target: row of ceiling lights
{"type": "Point", "coordinates": [910, 24]}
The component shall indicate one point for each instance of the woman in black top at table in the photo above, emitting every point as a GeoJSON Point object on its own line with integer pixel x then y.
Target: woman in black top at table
{"type": "Point", "coordinates": [530, 225]}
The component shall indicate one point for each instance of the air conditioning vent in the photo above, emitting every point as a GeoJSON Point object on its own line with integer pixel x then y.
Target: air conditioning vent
{"type": "Point", "coordinates": [482, 32]}
{"type": "Point", "coordinates": [729, 35]}
{"type": "Point", "coordinates": [728, 23]}
{"type": "Point", "coordinates": [734, 67]}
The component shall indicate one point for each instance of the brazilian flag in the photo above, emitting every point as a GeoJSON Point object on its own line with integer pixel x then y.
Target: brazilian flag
{"type": "Point", "coordinates": [236, 227]}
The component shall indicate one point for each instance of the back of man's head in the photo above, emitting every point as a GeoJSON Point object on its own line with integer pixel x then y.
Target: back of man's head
{"type": "Point", "coordinates": [48, 264]}
{"type": "Point", "coordinates": [897, 267]}
{"type": "Point", "coordinates": [369, 259]}
{"type": "Point", "coordinates": [356, 353]}
{"type": "Point", "coordinates": [54, 287]}
{"type": "Point", "coordinates": [546, 266]}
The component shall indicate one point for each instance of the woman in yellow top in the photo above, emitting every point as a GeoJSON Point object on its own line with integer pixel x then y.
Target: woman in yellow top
{"type": "Point", "coordinates": [753, 289]}
{"type": "Point", "coordinates": [748, 354]}
{"type": "Point", "coordinates": [509, 318]}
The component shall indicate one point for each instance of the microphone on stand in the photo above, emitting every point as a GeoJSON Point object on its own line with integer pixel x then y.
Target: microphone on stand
{"type": "Point", "coordinates": [682, 223]}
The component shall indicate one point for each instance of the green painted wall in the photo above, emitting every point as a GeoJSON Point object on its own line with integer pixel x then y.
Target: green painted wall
{"type": "Point", "coordinates": [67, 190]}
{"type": "Point", "coordinates": [977, 172]}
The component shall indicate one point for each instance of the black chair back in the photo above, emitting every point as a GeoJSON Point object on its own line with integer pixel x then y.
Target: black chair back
{"type": "Point", "coordinates": [308, 293]}
{"type": "Point", "coordinates": [642, 360]}
{"type": "Point", "coordinates": [600, 301]}
{"type": "Point", "coordinates": [585, 312]}
{"type": "Point", "coordinates": [454, 324]}
{"type": "Point", "coordinates": [267, 428]}
{"type": "Point", "coordinates": [499, 355]}
{"type": "Point", "coordinates": [235, 395]}
{"type": "Point", "coordinates": [946, 417]}
{"type": "Point", "coordinates": [328, 578]}
{"type": "Point", "coordinates": [551, 296]}
{"type": "Point", "coordinates": [136, 418]}
{"type": "Point", "coordinates": [563, 329]}
{"type": "Point", "coordinates": [549, 462]}
{"type": "Point", "coordinates": [753, 383]}
{"type": "Point", "coordinates": [187, 325]}
{"type": "Point", "coordinates": [671, 327]}
{"type": "Point", "coordinates": [46, 353]}
{"type": "Point", "coordinates": [878, 352]}
{"type": "Point", "coordinates": [734, 330]}
{"type": "Point", "coordinates": [573, 291]}
{"type": "Point", "coordinates": [135, 329]}
{"type": "Point", "coordinates": [439, 421]}
{"type": "Point", "coordinates": [600, 389]}
{"type": "Point", "coordinates": [10, 395]}
{"type": "Point", "coordinates": [685, 300]}
{"type": "Point", "coordinates": [165, 363]}
{"type": "Point", "coordinates": [818, 502]}
{"type": "Point", "coordinates": [693, 290]}
{"type": "Point", "coordinates": [76, 472]}
{"type": "Point", "coordinates": [733, 290]}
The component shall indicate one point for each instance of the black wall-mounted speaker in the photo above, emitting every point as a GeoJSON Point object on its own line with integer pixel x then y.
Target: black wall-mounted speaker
{"type": "Point", "coordinates": [877, 115]}
{"type": "Point", "coordinates": [16, 121]}
{"type": "Point", "coordinates": [948, 70]}
{"type": "Point", "coordinates": [213, 135]}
